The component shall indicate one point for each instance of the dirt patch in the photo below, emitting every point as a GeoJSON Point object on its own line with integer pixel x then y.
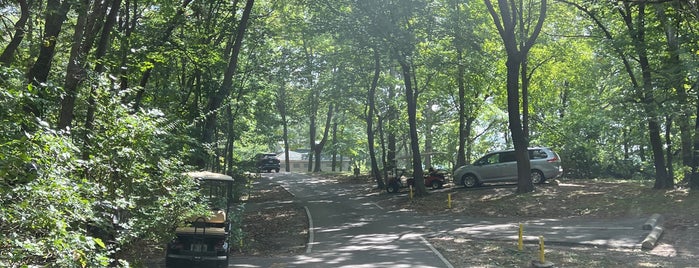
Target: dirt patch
{"type": "Point", "coordinates": [272, 225]}
{"type": "Point", "coordinates": [275, 226]}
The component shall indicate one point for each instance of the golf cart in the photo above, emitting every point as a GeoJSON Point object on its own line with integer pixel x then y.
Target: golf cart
{"type": "Point", "coordinates": [203, 242]}
{"type": "Point", "coordinates": [434, 179]}
{"type": "Point", "coordinates": [401, 177]}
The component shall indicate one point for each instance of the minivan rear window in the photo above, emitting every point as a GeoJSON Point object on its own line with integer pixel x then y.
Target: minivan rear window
{"type": "Point", "coordinates": [537, 154]}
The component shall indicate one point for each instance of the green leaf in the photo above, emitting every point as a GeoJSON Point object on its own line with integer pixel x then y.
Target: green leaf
{"type": "Point", "coordinates": [99, 242]}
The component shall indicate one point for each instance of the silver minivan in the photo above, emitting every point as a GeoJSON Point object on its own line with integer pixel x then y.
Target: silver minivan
{"type": "Point", "coordinates": [501, 166]}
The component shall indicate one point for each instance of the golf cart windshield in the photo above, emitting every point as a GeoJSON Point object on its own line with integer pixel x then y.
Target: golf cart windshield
{"type": "Point", "coordinates": [214, 187]}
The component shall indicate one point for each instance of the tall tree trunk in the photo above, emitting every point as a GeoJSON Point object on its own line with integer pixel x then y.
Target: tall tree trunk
{"type": "Point", "coordinates": [519, 139]}
{"type": "Point", "coordinates": [75, 72]}
{"type": "Point", "coordinates": [8, 53]}
{"type": "Point", "coordinates": [55, 16]}
{"type": "Point", "coordinates": [525, 97]}
{"type": "Point", "coordinates": [86, 30]}
{"type": "Point", "coordinates": [318, 147]}
{"type": "Point", "coordinates": [668, 145]}
{"type": "Point", "coordinates": [281, 108]}
{"type": "Point", "coordinates": [38, 74]}
{"type": "Point", "coordinates": [676, 73]}
{"type": "Point", "coordinates": [100, 52]}
{"type": "Point", "coordinates": [637, 32]}
{"type": "Point", "coordinates": [411, 99]}
{"type": "Point", "coordinates": [694, 180]}
{"type": "Point", "coordinates": [334, 139]}
{"type": "Point", "coordinates": [463, 114]}
{"type": "Point", "coordinates": [370, 121]}
{"type": "Point", "coordinates": [505, 22]}
{"type": "Point", "coordinates": [216, 99]}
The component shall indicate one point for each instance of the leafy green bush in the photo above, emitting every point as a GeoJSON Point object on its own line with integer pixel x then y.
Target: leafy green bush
{"type": "Point", "coordinates": [60, 210]}
{"type": "Point", "coordinates": [44, 207]}
{"type": "Point", "coordinates": [143, 193]}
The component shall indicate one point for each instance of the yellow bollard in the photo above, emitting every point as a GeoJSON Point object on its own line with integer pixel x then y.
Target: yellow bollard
{"type": "Point", "coordinates": [411, 193]}
{"type": "Point", "coordinates": [542, 259]}
{"type": "Point", "coordinates": [449, 200]}
{"type": "Point", "coordinates": [520, 242]}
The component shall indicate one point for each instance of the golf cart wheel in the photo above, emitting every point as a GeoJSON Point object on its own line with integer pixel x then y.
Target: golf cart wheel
{"type": "Point", "coordinates": [392, 188]}
{"type": "Point", "coordinates": [436, 185]}
{"type": "Point", "coordinates": [469, 181]}
{"type": "Point", "coordinates": [537, 177]}
{"type": "Point", "coordinates": [223, 264]}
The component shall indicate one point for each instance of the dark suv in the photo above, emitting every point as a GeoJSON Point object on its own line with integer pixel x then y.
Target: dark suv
{"type": "Point", "coordinates": [267, 162]}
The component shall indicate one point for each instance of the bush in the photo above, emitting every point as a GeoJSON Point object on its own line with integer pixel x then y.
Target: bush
{"type": "Point", "coordinates": [60, 210]}
{"type": "Point", "coordinates": [45, 208]}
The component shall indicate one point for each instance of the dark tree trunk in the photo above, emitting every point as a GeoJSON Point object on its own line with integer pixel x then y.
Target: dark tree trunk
{"type": "Point", "coordinates": [76, 72]}
{"type": "Point", "coordinates": [39, 72]}
{"type": "Point", "coordinates": [281, 107]}
{"type": "Point", "coordinates": [411, 99]}
{"type": "Point", "coordinates": [662, 179]}
{"type": "Point", "coordinates": [334, 140]}
{"type": "Point", "coordinates": [525, 98]}
{"type": "Point", "coordinates": [86, 31]}
{"type": "Point", "coordinates": [100, 52]}
{"type": "Point", "coordinates": [519, 139]}
{"type": "Point", "coordinates": [516, 54]}
{"type": "Point", "coordinates": [318, 148]}
{"type": "Point", "coordinates": [694, 180]}
{"type": "Point", "coordinates": [668, 145]}
{"type": "Point", "coordinates": [8, 53]}
{"type": "Point", "coordinates": [463, 114]}
{"type": "Point", "coordinates": [376, 173]}
{"type": "Point", "coordinates": [55, 16]}
{"type": "Point", "coordinates": [676, 74]}
{"type": "Point", "coordinates": [216, 99]}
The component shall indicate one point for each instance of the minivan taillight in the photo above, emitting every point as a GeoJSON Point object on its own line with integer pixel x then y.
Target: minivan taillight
{"type": "Point", "coordinates": [554, 159]}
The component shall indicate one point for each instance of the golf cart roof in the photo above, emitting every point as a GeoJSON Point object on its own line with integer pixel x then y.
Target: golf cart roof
{"type": "Point", "coordinates": [206, 175]}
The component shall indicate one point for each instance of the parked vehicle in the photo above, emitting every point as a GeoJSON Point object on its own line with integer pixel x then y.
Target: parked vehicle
{"type": "Point", "coordinates": [203, 241]}
{"type": "Point", "coordinates": [501, 166]}
{"type": "Point", "coordinates": [268, 162]}
{"type": "Point", "coordinates": [434, 179]}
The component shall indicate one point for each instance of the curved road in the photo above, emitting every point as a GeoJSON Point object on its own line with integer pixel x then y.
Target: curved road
{"type": "Point", "coordinates": [351, 231]}
{"type": "Point", "coordinates": [354, 231]}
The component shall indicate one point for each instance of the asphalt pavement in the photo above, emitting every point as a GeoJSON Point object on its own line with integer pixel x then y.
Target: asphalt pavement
{"type": "Point", "coordinates": [353, 231]}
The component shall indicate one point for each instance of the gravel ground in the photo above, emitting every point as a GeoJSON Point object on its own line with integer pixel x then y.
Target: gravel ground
{"type": "Point", "coordinates": [275, 226]}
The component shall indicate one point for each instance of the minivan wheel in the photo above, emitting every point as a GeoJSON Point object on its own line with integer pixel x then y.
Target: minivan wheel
{"type": "Point", "coordinates": [469, 181]}
{"type": "Point", "coordinates": [537, 177]}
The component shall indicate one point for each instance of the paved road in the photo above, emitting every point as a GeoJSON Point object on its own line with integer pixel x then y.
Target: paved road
{"type": "Point", "coordinates": [353, 231]}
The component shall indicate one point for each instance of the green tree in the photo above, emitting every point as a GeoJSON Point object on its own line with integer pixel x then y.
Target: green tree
{"type": "Point", "coordinates": [518, 40]}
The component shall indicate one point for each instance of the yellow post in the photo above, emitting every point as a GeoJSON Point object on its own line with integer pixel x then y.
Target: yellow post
{"type": "Point", "coordinates": [542, 259]}
{"type": "Point", "coordinates": [411, 192]}
{"type": "Point", "coordinates": [520, 242]}
{"type": "Point", "coordinates": [449, 200]}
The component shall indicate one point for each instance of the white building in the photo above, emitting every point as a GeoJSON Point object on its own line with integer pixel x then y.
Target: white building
{"type": "Point", "coordinates": [298, 162]}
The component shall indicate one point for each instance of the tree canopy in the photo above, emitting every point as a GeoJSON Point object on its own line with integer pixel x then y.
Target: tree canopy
{"type": "Point", "coordinates": [106, 103]}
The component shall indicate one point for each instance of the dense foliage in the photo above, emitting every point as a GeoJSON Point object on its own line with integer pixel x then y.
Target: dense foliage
{"type": "Point", "coordinates": [106, 102]}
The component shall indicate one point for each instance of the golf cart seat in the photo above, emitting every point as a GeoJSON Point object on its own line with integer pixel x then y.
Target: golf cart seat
{"type": "Point", "coordinates": [219, 216]}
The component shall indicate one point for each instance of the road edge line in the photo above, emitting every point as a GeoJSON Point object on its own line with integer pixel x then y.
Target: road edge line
{"type": "Point", "coordinates": [309, 246]}
{"type": "Point", "coordinates": [436, 252]}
